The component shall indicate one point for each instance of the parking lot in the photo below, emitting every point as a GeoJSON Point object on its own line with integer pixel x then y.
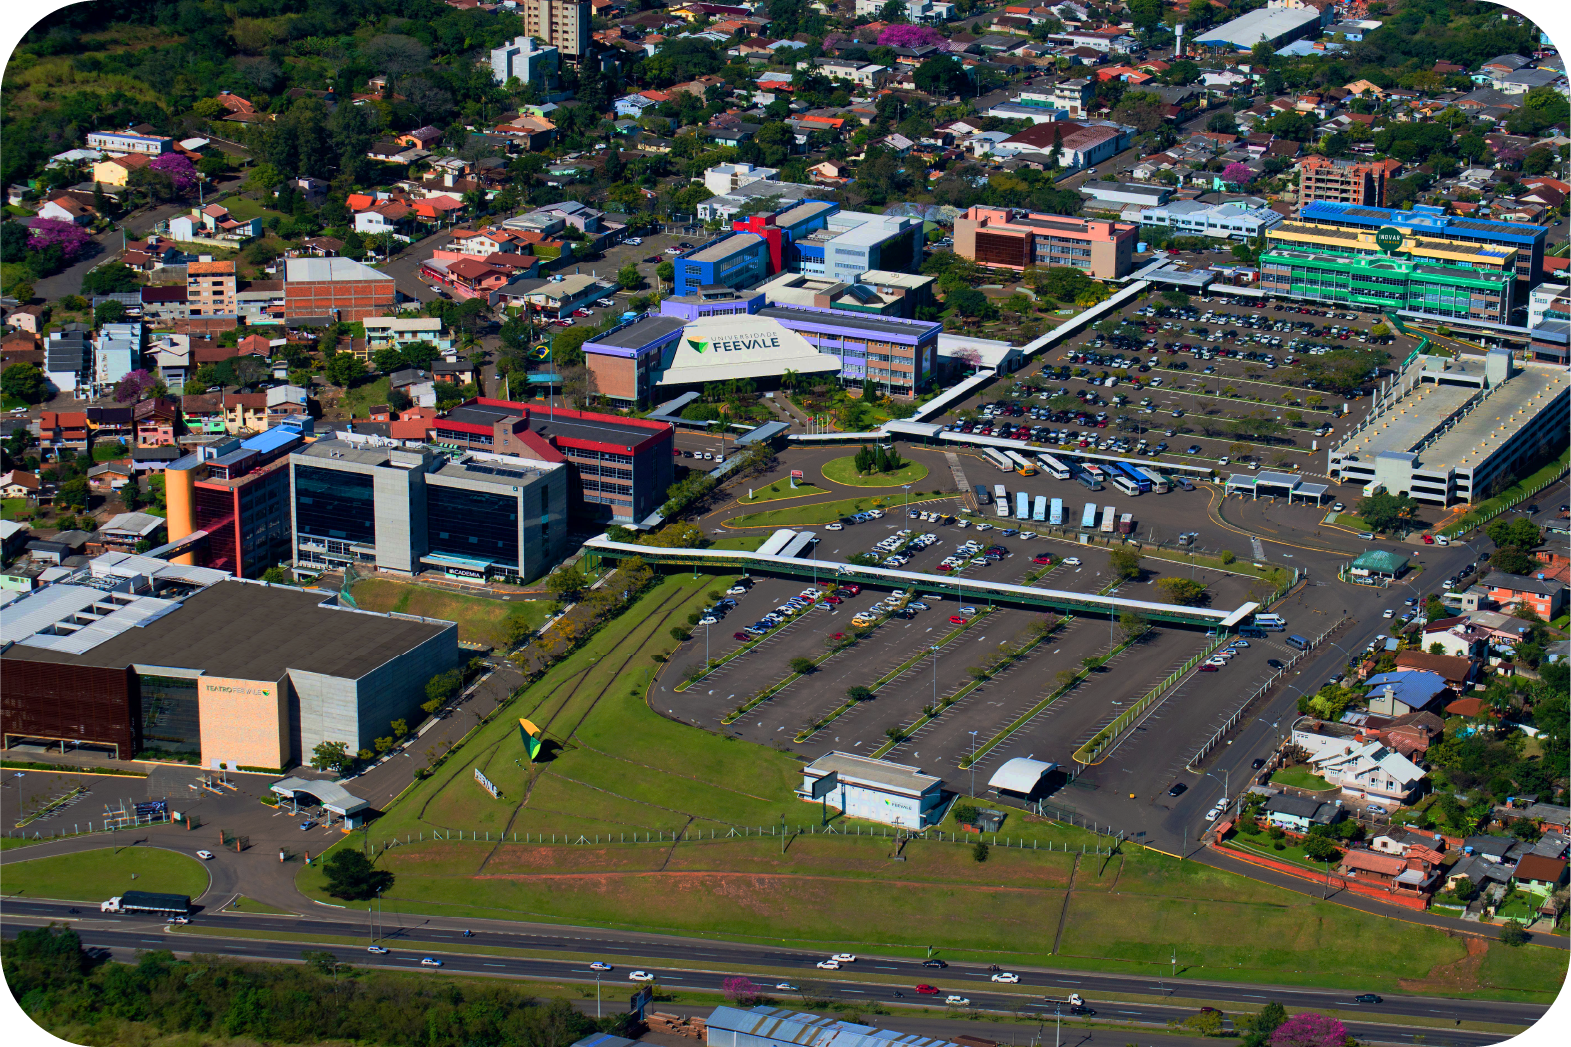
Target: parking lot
{"type": "Point", "coordinates": [927, 679]}
{"type": "Point", "coordinates": [1191, 383]}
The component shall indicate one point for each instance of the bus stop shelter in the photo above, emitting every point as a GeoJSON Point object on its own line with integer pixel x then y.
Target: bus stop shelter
{"type": "Point", "coordinates": [1275, 485]}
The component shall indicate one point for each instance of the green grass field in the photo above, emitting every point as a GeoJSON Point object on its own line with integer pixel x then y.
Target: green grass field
{"type": "Point", "coordinates": [479, 620]}
{"type": "Point", "coordinates": [781, 489]}
{"type": "Point", "coordinates": [827, 512]}
{"type": "Point", "coordinates": [1299, 778]}
{"type": "Point", "coordinates": [746, 543]}
{"type": "Point", "coordinates": [619, 771]}
{"type": "Point", "coordinates": [96, 876]}
{"type": "Point", "coordinates": [13, 508]}
{"type": "Point", "coordinates": [843, 471]}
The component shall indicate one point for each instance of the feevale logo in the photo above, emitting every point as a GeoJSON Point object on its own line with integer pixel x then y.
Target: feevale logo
{"type": "Point", "coordinates": [734, 345]}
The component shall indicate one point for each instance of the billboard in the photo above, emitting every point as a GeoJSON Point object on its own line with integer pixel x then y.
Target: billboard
{"type": "Point", "coordinates": [822, 787]}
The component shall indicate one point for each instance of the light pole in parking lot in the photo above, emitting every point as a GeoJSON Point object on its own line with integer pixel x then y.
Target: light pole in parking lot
{"type": "Point", "coordinates": [934, 651]}
{"type": "Point", "coordinates": [972, 762]}
{"type": "Point", "coordinates": [1224, 780]}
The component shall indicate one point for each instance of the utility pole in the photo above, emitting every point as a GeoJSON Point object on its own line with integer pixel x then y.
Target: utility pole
{"type": "Point", "coordinates": [972, 762]}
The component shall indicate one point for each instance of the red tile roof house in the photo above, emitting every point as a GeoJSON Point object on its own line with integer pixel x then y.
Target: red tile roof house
{"type": "Point", "coordinates": [1540, 874]}
{"type": "Point", "coordinates": [63, 429]}
{"type": "Point", "coordinates": [1409, 875]}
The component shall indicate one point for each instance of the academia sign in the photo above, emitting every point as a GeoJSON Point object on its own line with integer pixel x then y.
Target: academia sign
{"type": "Point", "coordinates": [721, 348]}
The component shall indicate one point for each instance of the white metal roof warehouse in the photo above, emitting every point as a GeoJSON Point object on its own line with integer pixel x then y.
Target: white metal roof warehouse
{"type": "Point", "coordinates": [1275, 27]}
{"type": "Point", "coordinates": [777, 1027]}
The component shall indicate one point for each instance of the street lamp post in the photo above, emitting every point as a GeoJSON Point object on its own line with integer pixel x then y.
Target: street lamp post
{"type": "Point", "coordinates": [934, 651]}
{"type": "Point", "coordinates": [972, 762]}
{"type": "Point", "coordinates": [1226, 775]}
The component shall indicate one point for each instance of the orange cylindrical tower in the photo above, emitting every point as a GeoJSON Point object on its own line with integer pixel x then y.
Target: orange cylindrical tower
{"type": "Point", "coordinates": [180, 500]}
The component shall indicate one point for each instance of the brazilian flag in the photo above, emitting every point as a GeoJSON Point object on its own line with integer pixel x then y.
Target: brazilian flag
{"type": "Point", "coordinates": [530, 735]}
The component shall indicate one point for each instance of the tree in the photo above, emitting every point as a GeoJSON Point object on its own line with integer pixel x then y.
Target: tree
{"type": "Point", "coordinates": [344, 369]}
{"type": "Point", "coordinates": [24, 382]}
{"type": "Point", "coordinates": [441, 688]}
{"type": "Point", "coordinates": [1310, 1030]}
{"type": "Point", "coordinates": [331, 756]}
{"type": "Point", "coordinates": [859, 693]}
{"type": "Point", "coordinates": [1133, 625]}
{"type": "Point", "coordinates": [1125, 563]}
{"type": "Point", "coordinates": [351, 876]}
{"type": "Point", "coordinates": [1321, 849]}
{"type": "Point", "coordinates": [1238, 174]}
{"type": "Point", "coordinates": [1384, 511]}
{"type": "Point", "coordinates": [629, 278]}
{"type": "Point", "coordinates": [1265, 1021]}
{"type": "Point", "coordinates": [110, 312]}
{"type": "Point", "coordinates": [114, 278]}
{"type": "Point", "coordinates": [740, 991]}
{"type": "Point", "coordinates": [979, 852]}
{"type": "Point", "coordinates": [1513, 934]}
{"type": "Point", "coordinates": [71, 239]}
{"type": "Point", "coordinates": [1184, 591]}
{"type": "Point", "coordinates": [802, 666]}
{"type": "Point", "coordinates": [566, 583]}
{"type": "Point", "coordinates": [73, 494]}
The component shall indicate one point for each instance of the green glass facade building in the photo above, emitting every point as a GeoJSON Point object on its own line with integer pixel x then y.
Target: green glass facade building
{"type": "Point", "coordinates": [1386, 282]}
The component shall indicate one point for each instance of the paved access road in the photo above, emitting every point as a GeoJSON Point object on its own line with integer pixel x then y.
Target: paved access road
{"type": "Point", "coordinates": [412, 937]}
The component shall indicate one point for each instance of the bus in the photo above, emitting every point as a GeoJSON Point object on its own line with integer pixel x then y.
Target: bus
{"type": "Point", "coordinates": [1107, 519]}
{"type": "Point", "coordinates": [1097, 472]}
{"type": "Point", "coordinates": [1001, 499]}
{"type": "Point", "coordinates": [1135, 476]}
{"type": "Point", "coordinates": [1088, 518]}
{"type": "Point", "coordinates": [992, 454]}
{"type": "Point", "coordinates": [1090, 482]}
{"type": "Point", "coordinates": [1021, 463]}
{"type": "Point", "coordinates": [1022, 506]}
{"type": "Point", "coordinates": [1124, 485]}
{"type": "Point", "coordinates": [1126, 523]}
{"type": "Point", "coordinates": [1039, 509]}
{"type": "Point", "coordinates": [1056, 514]}
{"type": "Point", "coordinates": [1159, 484]}
{"type": "Point", "coordinates": [982, 497]}
{"type": "Point", "coordinates": [1056, 469]}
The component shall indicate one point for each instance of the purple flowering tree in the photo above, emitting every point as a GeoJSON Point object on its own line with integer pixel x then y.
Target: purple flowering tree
{"type": "Point", "coordinates": [1238, 174]}
{"type": "Point", "coordinates": [133, 385]}
{"type": "Point", "coordinates": [1310, 1030]}
{"type": "Point", "coordinates": [71, 238]}
{"type": "Point", "coordinates": [179, 169]}
{"type": "Point", "coordinates": [912, 36]}
{"type": "Point", "coordinates": [740, 991]}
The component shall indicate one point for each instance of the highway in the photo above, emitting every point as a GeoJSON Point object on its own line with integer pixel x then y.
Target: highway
{"type": "Point", "coordinates": [410, 937]}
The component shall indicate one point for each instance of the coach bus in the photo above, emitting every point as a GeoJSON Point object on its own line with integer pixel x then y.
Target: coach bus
{"type": "Point", "coordinates": [1022, 506]}
{"type": "Point", "coordinates": [1021, 463]}
{"type": "Point", "coordinates": [1109, 514]}
{"type": "Point", "coordinates": [1088, 518]}
{"type": "Point", "coordinates": [1091, 483]}
{"type": "Point", "coordinates": [1056, 513]}
{"type": "Point", "coordinates": [1124, 485]}
{"type": "Point", "coordinates": [1098, 473]}
{"type": "Point", "coordinates": [1039, 509]}
{"type": "Point", "coordinates": [1159, 484]}
{"type": "Point", "coordinates": [998, 459]}
{"type": "Point", "coordinates": [1001, 499]}
{"type": "Point", "coordinates": [1056, 469]}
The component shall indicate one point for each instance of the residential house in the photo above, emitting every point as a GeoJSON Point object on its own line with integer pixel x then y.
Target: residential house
{"type": "Point", "coordinates": [398, 331]}
{"type": "Point", "coordinates": [1405, 691]}
{"type": "Point", "coordinates": [57, 429]}
{"type": "Point", "coordinates": [116, 170]}
{"type": "Point", "coordinates": [1397, 874]}
{"type": "Point", "coordinates": [156, 421]}
{"type": "Point", "coordinates": [1540, 875]}
{"type": "Point", "coordinates": [1402, 842]}
{"type": "Point", "coordinates": [171, 354]}
{"type": "Point", "coordinates": [25, 318]}
{"type": "Point", "coordinates": [1371, 770]}
{"type": "Point", "coordinates": [456, 372]}
{"type": "Point", "coordinates": [1545, 596]}
{"type": "Point", "coordinates": [387, 216]}
{"type": "Point", "coordinates": [1457, 672]}
{"type": "Point", "coordinates": [124, 532]}
{"type": "Point", "coordinates": [285, 401]}
{"type": "Point", "coordinates": [426, 137]}
{"type": "Point", "coordinates": [161, 302]}
{"type": "Point", "coordinates": [1297, 814]}
{"type": "Point", "coordinates": [1495, 849]}
{"type": "Point", "coordinates": [65, 208]}
{"type": "Point", "coordinates": [19, 483]}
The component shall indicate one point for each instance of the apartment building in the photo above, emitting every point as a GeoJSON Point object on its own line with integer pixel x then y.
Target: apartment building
{"type": "Point", "coordinates": [564, 24]}
{"type": "Point", "coordinates": [211, 288]}
{"type": "Point", "coordinates": [1340, 181]}
{"type": "Point", "coordinates": [1010, 239]}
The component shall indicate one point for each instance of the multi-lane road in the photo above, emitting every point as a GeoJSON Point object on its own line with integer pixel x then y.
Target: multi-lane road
{"type": "Point", "coordinates": [691, 964]}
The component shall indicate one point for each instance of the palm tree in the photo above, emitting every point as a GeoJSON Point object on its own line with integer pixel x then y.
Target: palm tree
{"type": "Point", "coordinates": [789, 379]}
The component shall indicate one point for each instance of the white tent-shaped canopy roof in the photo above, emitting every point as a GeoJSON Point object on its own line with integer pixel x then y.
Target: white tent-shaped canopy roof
{"type": "Point", "coordinates": [1020, 775]}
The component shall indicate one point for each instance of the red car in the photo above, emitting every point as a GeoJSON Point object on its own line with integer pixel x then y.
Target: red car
{"type": "Point", "coordinates": [955, 619]}
{"type": "Point", "coordinates": [851, 590]}
{"type": "Point", "coordinates": [1041, 559]}
{"type": "Point", "coordinates": [927, 990]}
{"type": "Point", "coordinates": [741, 636]}
{"type": "Point", "coordinates": [832, 598]}
{"type": "Point", "coordinates": [1210, 668]}
{"type": "Point", "coordinates": [1429, 539]}
{"type": "Point", "coordinates": [943, 567]}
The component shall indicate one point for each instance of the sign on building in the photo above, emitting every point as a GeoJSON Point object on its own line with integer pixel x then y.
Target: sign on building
{"type": "Point", "coordinates": [1389, 239]}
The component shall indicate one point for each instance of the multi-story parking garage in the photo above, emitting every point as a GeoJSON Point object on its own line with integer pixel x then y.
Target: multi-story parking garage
{"type": "Point", "coordinates": [1448, 431]}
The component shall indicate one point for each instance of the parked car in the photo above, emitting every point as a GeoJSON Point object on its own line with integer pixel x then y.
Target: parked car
{"type": "Point", "coordinates": [1178, 789]}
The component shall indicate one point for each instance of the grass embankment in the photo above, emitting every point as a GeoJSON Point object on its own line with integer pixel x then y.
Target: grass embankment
{"type": "Point", "coordinates": [780, 489]}
{"type": "Point", "coordinates": [843, 471]}
{"type": "Point", "coordinates": [828, 512]}
{"type": "Point", "coordinates": [480, 620]}
{"type": "Point", "coordinates": [94, 876]}
{"type": "Point", "coordinates": [617, 768]}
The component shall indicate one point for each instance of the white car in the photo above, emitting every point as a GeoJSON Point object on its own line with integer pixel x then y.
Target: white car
{"type": "Point", "coordinates": [1212, 814]}
{"type": "Point", "coordinates": [380, 950]}
{"type": "Point", "coordinates": [206, 856]}
{"type": "Point", "coordinates": [844, 957]}
{"type": "Point", "coordinates": [430, 961]}
{"type": "Point", "coordinates": [828, 965]}
{"type": "Point", "coordinates": [1006, 977]}
{"type": "Point", "coordinates": [640, 976]}
{"type": "Point", "coordinates": [1388, 613]}
{"type": "Point", "coordinates": [736, 590]}
{"type": "Point", "coordinates": [1366, 536]}
{"type": "Point", "coordinates": [709, 619]}
{"type": "Point", "coordinates": [957, 1001]}
{"type": "Point", "coordinates": [1072, 561]}
{"type": "Point", "coordinates": [810, 594]}
{"type": "Point", "coordinates": [599, 966]}
{"type": "Point", "coordinates": [635, 241]}
{"type": "Point", "coordinates": [837, 526]}
{"type": "Point", "coordinates": [786, 987]}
